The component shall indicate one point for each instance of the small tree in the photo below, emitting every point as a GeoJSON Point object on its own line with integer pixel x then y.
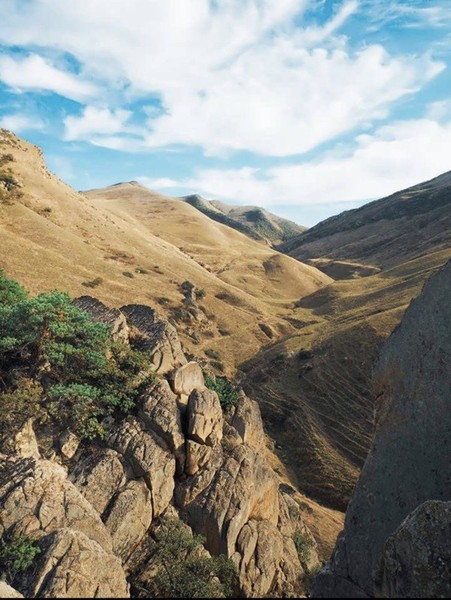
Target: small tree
{"type": "Point", "coordinates": [185, 571]}
{"type": "Point", "coordinates": [16, 556]}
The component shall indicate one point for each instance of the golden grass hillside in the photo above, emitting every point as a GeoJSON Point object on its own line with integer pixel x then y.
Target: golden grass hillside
{"type": "Point", "coordinates": [128, 245]}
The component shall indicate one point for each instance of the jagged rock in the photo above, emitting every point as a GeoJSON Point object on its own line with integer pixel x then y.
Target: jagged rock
{"type": "Point", "coordinates": [267, 562]}
{"type": "Point", "coordinates": [187, 490]}
{"type": "Point", "coordinates": [99, 477]}
{"type": "Point", "coordinates": [155, 336]}
{"type": "Point", "coordinates": [408, 463]}
{"type": "Point", "coordinates": [103, 314]}
{"type": "Point", "coordinates": [417, 557]}
{"type": "Point", "coordinates": [187, 378]}
{"type": "Point", "coordinates": [248, 422]}
{"type": "Point", "coordinates": [26, 444]}
{"type": "Point", "coordinates": [74, 566]}
{"type": "Point", "coordinates": [149, 458]}
{"type": "Point", "coordinates": [6, 591]}
{"type": "Point", "coordinates": [160, 413]}
{"type": "Point", "coordinates": [205, 418]}
{"type": "Point", "coordinates": [197, 457]}
{"type": "Point", "coordinates": [69, 444]}
{"type": "Point", "coordinates": [243, 488]}
{"type": "Point", "coordinates": [129, 518]}
{"type": "Point", "coordinates": [328, 584]}
{"type": "Point", "coordinates": [36, 498]}
{"type": "Point", "coordinates": [291, 524]}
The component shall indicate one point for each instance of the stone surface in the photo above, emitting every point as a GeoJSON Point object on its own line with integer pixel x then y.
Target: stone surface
{"type": "Point", "coordinates": [36, 498]}
{"type": "Point", "coordinates": [243, 488]}
{"type": "Point", "coordinates": [26, 444]}
{"type": "Point", "coordinates": [99, 477]}
{"type": "Point", "coordinates": [6, 591]}
{"type": "Point", "coordinates": [69, 444]}
{"type": "Point", "coordinates": [187, 378]}
{"type": "Point", "coordinates": [104, 314]}
{"type": "Point", "coordinates": [161, 414]}
{"type": "Point", "coordinates": [248, 422]}
{"type": "Point", "coordinates": [155, 336]}
{"type": "Point", "coordinates": [205, 418]}
{"type": "Point", "coordinates": [74, 566]}
{"type": "Point", "coordinates": [149, 458]}
{"type": "Point", "coordinates": [197, 457]}
{"type": "Point", "coordinates": [268, 563]}
{"type": "Point", "coordinates": [409, 460]}
{"type": "Point", "coordinates": [417, 557]}
{"type": "Point", "coordinates": [129, 518]}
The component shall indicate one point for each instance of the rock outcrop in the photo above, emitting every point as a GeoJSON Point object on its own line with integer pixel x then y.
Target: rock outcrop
{"type": "Point", "coordinates": [408, 464]}
{"type": "Point", "coordinates": [178, 454]}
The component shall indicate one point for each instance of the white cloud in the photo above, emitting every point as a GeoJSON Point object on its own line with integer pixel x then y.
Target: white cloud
{"type": "Point", "coordinates": [19, 122]}
{"type": "Point", "coordinates": [35, 73]}
{"type": "Point", "coordinates": [95, 122]}
{"type": "Point", "coordinates": [395, 157]}
{"type": "Point", "coordinates": [235, 75]}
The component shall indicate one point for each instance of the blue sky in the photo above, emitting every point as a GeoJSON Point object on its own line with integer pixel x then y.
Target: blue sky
{"type": "Point", "coordinates": [306, 107]}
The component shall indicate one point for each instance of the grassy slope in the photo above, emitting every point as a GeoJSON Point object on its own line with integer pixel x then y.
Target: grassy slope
{"type": "Point", "coordinates": [54, 237]}
{"type": "Point", "coordinates": [320, 408]}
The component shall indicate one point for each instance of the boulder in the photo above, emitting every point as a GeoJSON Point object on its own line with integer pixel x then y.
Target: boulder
{"type": "Point", "coordinates": [243, 488]}
{"type": "Point", "coordinates": [69, 443]}
{"type": "Point", "coordinates": [74, 566]}
{"type": "Point", "coordinates": [155, 336]}
{"type": "Point", "coordinates": [149, 458]}
{"type": "Point", "coordinates": [129, 518]}
{"type": "Point", "coordinates": [26, 444]}
{"type": "Point", "coordinates": [187, 378]}
{"type": "Point", "coordinates": [99, 477]}
{"type": "Point", "coordinates": [103, 314]}
{"type": "Point", "coordinates": [160, 413]}
{"type": "Point", "coordinates": [205, 419]}
{"type": "Point", "coordinates": [246, 419]}
{"type": "Point", "coordinates": [416, 561]}
{"type": "Point", "coordinates": [197, 457]}
{"type": "Point", "coordinates": [267, 562]}
{"type": "Point", "coordinates": [36, 498]}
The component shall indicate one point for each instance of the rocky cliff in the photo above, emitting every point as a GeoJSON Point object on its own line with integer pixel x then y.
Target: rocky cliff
{"type": "Point", "coordinates": [396, 537]}
{"type": "Point", "coordinates": [94, 508]}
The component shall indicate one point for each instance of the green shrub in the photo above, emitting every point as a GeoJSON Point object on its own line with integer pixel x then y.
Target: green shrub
{"type": "Point", "coordinates": [128, 274]}
{"type": "Point", "coordinates": [16, 556]}
{"type": "Point", "coordinates": [94, 283]}
{"type": "Point", "coordinates": [83, 375]}
{"type": "Point", "coordinates": [184, 571]}
{"type": "Point", "coordinates": [303, 546]}
{"type": "Point", "coordinates": [199, 293]}
{"type": "Point", "coordinates": [226, 391]}
{"type": "Point", "coordinates": [212, 354]}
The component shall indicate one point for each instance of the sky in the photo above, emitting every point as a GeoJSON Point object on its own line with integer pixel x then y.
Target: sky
{"type": "Point", "coordinates": [305, 107]}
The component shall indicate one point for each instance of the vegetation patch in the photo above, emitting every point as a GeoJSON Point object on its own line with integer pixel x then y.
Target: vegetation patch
{"type": "Point", "coordinates": [16, 556]}
{"type": "Point", "coordinates": [57, 363]}
{"type": "Point", "coordinates": [128, 274]}
{"type": "Point", "coordinates": [228, 396]}
{"type": "Point", "coordinates": [184, 568]}
{"type": "Point", "coordinates": [303, 546]}
{"type": "Point", "coordinates": [94, 283]}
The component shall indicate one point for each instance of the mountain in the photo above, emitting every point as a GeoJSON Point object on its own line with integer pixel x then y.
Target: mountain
{"type": "Point", "coordinates": [314, 387]}
{"type": "Point", "coordinates": [128, 243]}
{"type": "Point", "coordinates": [397, 532]}
{"type": "Point", "coordinates": [253, 221]}
{"type": "Point", "coordinates": [382, 234]}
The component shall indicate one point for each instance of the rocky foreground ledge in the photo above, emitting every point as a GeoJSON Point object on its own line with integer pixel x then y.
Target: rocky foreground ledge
{"type": "Point", "coordinates": [94, 508]}
{"type": "Point", "coordinates": [397, 537]}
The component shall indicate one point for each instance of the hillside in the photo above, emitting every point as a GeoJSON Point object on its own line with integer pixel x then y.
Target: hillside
{"type": "Point", "coordinates": [54, 237]}
{"type": "Point", "coordinates": [253, 221]}
{"type": "Point", "coordinates": [314, 386]}
{"type": "Point", "coordinates": [382, 234]}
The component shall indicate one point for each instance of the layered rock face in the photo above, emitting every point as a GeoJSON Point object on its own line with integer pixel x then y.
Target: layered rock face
{"type": "Point", "coordinates": [178, 455]}
{"type": "Point", "coordinates": [396, 541]}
